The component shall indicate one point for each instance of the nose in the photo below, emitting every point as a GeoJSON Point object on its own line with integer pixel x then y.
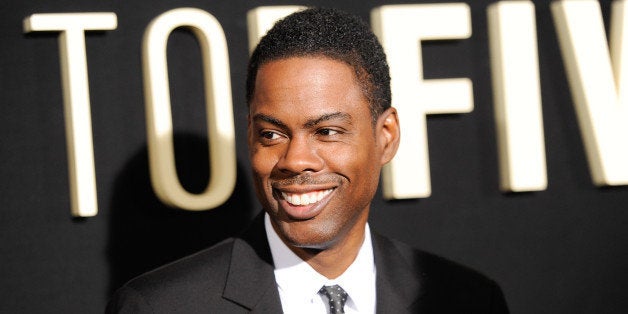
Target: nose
{"type": "Point", "coordinates": [300, 156]}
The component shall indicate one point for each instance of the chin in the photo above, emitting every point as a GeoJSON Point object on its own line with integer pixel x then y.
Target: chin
{"type": "Point", "coordinates": [304, 234]}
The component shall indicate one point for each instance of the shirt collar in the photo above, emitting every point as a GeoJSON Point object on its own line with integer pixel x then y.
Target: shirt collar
{"type": "Point", "coordinates": [298, 279]}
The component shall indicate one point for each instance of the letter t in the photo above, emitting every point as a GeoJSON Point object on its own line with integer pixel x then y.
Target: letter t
{"type": "Point", "coordinates": [78, 123]}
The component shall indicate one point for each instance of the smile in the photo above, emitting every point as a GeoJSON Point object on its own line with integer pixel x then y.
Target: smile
{"type": "Point", "coordinates": [303, 199]}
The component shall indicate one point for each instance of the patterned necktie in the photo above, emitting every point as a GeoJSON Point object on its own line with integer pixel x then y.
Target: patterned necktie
{"type": "Point", "coordinates": [337, 298]}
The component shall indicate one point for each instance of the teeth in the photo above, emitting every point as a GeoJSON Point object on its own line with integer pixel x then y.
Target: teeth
{"type": "Point", "coordinates": [305, 198]}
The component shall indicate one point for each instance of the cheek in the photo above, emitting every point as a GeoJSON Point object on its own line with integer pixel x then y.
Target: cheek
{"type": "Point", "coordinates": [262, 166]}
{"type": "Point", "coordinates": [262, 162]}
{"type": "Point", "coordinates": [355, 164]}
{"type": "Point", "coordinates": [362, 167]}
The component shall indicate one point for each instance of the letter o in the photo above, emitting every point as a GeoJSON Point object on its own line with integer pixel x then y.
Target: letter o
{"type": "Point", "coordinates": [218, 103]}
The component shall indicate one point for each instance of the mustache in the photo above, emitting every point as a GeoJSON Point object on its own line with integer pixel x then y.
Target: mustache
{"type": "Point", "coordinates": [306, 179]}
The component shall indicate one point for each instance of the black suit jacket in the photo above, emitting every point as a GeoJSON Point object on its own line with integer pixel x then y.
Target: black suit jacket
{"type": "Point", "coordinates": [236, 276]}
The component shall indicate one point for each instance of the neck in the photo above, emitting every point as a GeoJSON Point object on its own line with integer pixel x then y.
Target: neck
{"type": "Point", "coordinates": [334, 260]}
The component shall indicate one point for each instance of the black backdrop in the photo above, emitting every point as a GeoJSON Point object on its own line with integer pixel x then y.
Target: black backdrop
{"type": "Point", "coordinates": [562, 250]}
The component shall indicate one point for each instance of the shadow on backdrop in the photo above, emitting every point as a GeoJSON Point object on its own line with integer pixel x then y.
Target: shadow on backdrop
{"type": "Point", "coordinates": [144, 233]}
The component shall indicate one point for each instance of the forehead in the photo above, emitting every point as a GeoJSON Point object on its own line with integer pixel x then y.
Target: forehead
{"type": "Point", "coordinates": [312, 85]}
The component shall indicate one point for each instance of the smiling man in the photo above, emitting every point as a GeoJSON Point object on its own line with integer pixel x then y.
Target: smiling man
{"type": "Point", "coordinates": [316, 156]}
{"type": "Point", "coordinates": [320, 128]}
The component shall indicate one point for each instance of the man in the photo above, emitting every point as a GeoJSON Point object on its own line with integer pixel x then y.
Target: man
{"type": "Point", "coordinates": [320, 128]}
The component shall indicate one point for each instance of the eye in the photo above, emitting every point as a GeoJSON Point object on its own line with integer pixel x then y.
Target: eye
{"type": "Point", "coordinates": [269, 135]}
{"type": "Point", "coordinates": [327, 132]}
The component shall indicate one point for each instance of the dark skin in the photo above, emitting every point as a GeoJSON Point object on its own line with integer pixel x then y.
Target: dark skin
{"type": "Point", "coordinates": [316, 157]}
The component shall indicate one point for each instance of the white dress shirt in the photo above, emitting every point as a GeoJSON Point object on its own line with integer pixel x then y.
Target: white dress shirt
{"type": "Point", "coordinates": [298, 283]}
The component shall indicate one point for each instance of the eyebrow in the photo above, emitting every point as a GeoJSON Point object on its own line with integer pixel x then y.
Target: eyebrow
{"type": "Point", "coordinates": [309, 123]}
{"type": "Point", "coordinates": [269, 119]}
{"type": "Point", "coordinates": [329, 116]}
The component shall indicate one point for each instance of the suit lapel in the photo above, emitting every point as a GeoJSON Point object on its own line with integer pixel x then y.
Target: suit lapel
{"type": "Point", "coordinates": [251, 280]}
{"type": "Point", "coordinates": [399, 287]}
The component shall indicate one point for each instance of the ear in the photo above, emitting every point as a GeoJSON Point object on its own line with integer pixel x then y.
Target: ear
{"type": "Point", "coordinates": [388, 134]}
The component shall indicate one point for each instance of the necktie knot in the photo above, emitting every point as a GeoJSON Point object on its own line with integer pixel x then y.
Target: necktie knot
{"type": "Point", "coordinates": [336, 296]}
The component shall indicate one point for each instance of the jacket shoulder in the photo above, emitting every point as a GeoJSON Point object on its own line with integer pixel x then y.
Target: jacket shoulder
{"type": "Point", "coordinates": [442, 285]}
{"type": "Point", "coordinates": [191, 284]}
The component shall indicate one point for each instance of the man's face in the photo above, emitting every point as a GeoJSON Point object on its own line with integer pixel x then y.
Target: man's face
{"type": "Point", "coordinates": [315, 153]}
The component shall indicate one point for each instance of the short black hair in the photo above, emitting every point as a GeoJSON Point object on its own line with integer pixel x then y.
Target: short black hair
{"type": "Point", "coordinates": [333, 34]}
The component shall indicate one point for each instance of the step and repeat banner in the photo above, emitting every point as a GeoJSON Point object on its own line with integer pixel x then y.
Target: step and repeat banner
{"type": "Point", "coordinates": [124, 142]}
